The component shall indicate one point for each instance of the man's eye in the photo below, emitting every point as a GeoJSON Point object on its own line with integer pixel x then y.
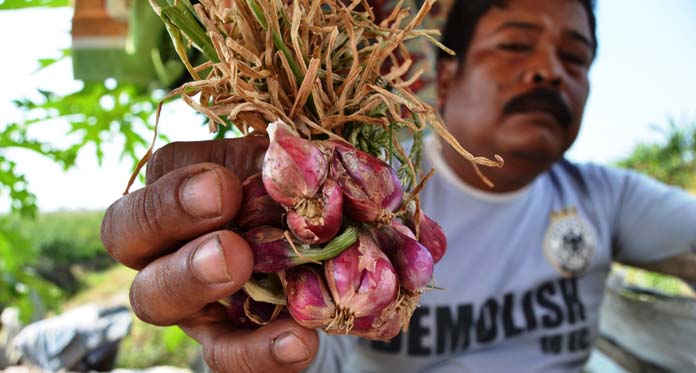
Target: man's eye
{"type": "Point", "coordinates": [574, 59]}
{"type": "Point", "coordinates": [515, 47]}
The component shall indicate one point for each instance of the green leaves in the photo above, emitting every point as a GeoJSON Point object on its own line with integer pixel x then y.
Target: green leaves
{"type": "Point", "coordinates": [19, 284]}
{"type": "Point", "coordinates": [672, 161]}
{"type": "Point", "coordinates": [21, 4]}
{"type": "Point", "coordinates": [179, 16]}
{"type": "Point", "coordinates": [22, 201]}
{"type": "Point", "coordinates": [95, 115]}
{"type": "Point", "coordinates": [46, 62]}
{"type": "Point", "coordinates": [41, 257]}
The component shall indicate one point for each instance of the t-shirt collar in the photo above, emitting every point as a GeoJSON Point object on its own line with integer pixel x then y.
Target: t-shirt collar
{"type": "Point", "coordinates": [433, 151]}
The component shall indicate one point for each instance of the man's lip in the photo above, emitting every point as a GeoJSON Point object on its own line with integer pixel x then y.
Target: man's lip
{"type": "Point", "coordinates": [538, 114]}
{"type": "Point", "coordinates": [539, 111]}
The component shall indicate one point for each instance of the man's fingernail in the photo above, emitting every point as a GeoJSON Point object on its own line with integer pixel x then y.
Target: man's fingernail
{"type": "Point", "coordinates": [208, 262]}
{"type": "Point", "coordinates": [288, 349]}
{"type": "Point", "coordinates": [202, 195]}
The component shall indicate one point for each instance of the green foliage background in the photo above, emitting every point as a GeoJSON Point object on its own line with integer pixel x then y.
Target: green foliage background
{"type": "Point", "coordinates": [50, 262]}
{"type": "Point", "coordinates": [97, 114]}
{"type": "Point", "coordinates": [21, 4]}
{"type": "Point", "coordinates": [44, 257]}
{"type": "Point", "coordinates": [672, 160]}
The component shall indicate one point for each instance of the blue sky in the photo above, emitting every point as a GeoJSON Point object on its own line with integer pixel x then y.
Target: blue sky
{"type": "Point", "coordinates": [644, 74]}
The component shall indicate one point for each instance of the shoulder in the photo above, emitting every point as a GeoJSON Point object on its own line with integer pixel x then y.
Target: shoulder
{"type": "Point", "coordinates": [611, 186]}
{"type": "Point", "coordinates": [595, 178]}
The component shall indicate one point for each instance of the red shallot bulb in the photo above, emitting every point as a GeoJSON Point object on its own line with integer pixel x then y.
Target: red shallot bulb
{"type": "Point", "coordinates": [362, 282]}
{"type": "Point", "coordinates": [258, 208]}
{"type": "Point", "coordinates": [401, 228]}
{"type": "Point", "coordinates": [293, 168]}
{"type": "Point", "coordinates": [412, 260]}
{"type": "Point", "coordinates": [294, 174]}
{"type": "Point", "coordinates": [321, 217]}
{"type": "Point", "coordinates": [272, 252]}
{"type": "Point", "coordinates": [383, 327]}
{"type": "Point", "coordinates": [430, 235]}
{"type": "Point", "coordinates": [371, 188]}
{"type": "Point", "coordinates": [308, 299]}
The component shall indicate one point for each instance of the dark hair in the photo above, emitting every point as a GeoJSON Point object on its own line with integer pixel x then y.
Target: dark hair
{"type": "Point", "coordinates": [465, 15]}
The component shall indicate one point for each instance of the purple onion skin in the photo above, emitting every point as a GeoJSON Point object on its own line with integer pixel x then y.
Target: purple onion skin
{"type": "Point", "coordinates": [364, 323]}
{"type": "Point", "coordinates": [308, 299]}
{"type": "Point", "coordinates": [361, 278]}
{"type": "Point", "coordinates": [253, 187]}
{"type": "Point", "coordinates": [323, 228]}
{"type": "Point", "coordinates": [272, 252]}
{"type": "Point", "coordinates": [235, 310]}
{"type": "Point", "coordinates": [293, 168]}
{"type": "Point", "coordinates": [413, 262]}
{"type": "Point", "coordinates": [431, 236]}
{"type": "Point", "coordinates": [389, 329]}
{"type": "Point", "coordinates": [258, 208]}
{"type": "Point", "coordinates": [401, 228]}
{"type": "Point", "coordinates": [382, 327]}
{"type": "Point", "coordinates": [371, 186]}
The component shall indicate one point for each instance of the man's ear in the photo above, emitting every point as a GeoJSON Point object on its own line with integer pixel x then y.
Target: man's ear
{"type": "Point", "coordinates": [447, 69]}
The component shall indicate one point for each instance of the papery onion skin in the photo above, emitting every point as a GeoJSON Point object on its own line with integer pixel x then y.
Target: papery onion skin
{"type": "Point", "coordinates": [400, 227]}
{"type": "Point", "coordinates": [413, 262]}
{"type": "Point", "coordinates": [431, 235]}
{"type": "Point", "coordinates": [361, 279]}
{"type": "Point", "coordinates": [258, 208]}
{"type": "Point", "coordinates": [308, 299]}
{"type": "Point", "coordinates": [322, 225]}
{"type": "Point", "coordinates": [381, 327]}
{"type": "Point", "coordinates": [293, 168]}
{"type": "Point", "coordinates": [371, 187]}
{"type": "Point", "coordinates": [234, 306]}
{"type": "Point", "coordinates": [272, 252]}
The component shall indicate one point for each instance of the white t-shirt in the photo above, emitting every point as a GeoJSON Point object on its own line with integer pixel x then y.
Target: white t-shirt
{"type": "Point", "coordinates": [524, 272]}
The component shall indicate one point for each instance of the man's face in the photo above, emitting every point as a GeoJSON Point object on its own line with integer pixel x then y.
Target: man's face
{"type": "Point", "coordinates": [523, 86]}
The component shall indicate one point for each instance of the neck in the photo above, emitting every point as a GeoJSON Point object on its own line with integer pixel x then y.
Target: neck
{"type": "Point", "coordinates": [502, 180]}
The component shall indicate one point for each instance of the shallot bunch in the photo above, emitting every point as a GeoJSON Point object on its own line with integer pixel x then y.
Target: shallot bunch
{"type": "Point", "coordinates": [333, 244]}
{"type": "Point", "coordinates": [338, 239]}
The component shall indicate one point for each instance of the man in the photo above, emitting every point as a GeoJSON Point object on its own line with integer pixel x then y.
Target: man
{"type": "Point", "coordinates": [527, 259]}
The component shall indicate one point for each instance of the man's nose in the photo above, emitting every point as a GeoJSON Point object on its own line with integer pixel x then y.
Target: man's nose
{"type": "Point", "coordinates": [544, 69]}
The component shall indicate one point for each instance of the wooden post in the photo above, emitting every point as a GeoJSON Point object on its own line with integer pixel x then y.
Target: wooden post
{"type": "Point", "coordinates": [100, 24]}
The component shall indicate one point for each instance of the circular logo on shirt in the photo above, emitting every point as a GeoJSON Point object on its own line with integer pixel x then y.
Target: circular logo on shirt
{"type": "Point", "coordinates": [569, 243]}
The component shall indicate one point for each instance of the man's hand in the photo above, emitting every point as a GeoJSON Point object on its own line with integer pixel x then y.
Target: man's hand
{"type": "Point", "coordinates": [682, 266]}
{"type": "Point", "coordinates": [172, 231]}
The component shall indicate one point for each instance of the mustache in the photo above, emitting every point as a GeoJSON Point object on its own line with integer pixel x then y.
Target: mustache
{"type": "Point", "coordinates": [543, 99]}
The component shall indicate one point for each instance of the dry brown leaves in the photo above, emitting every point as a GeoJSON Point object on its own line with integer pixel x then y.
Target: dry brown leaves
{"type": "Point", "coordinates": [315, 64]}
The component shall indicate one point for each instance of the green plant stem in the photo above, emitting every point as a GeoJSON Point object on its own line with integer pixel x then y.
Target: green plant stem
{"type": "Point", "coordinates": [331, 249]}
{"type": "Point", "coordinates": [277, 40]}
{"type": "Point", "coordinates": [180, 13]}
